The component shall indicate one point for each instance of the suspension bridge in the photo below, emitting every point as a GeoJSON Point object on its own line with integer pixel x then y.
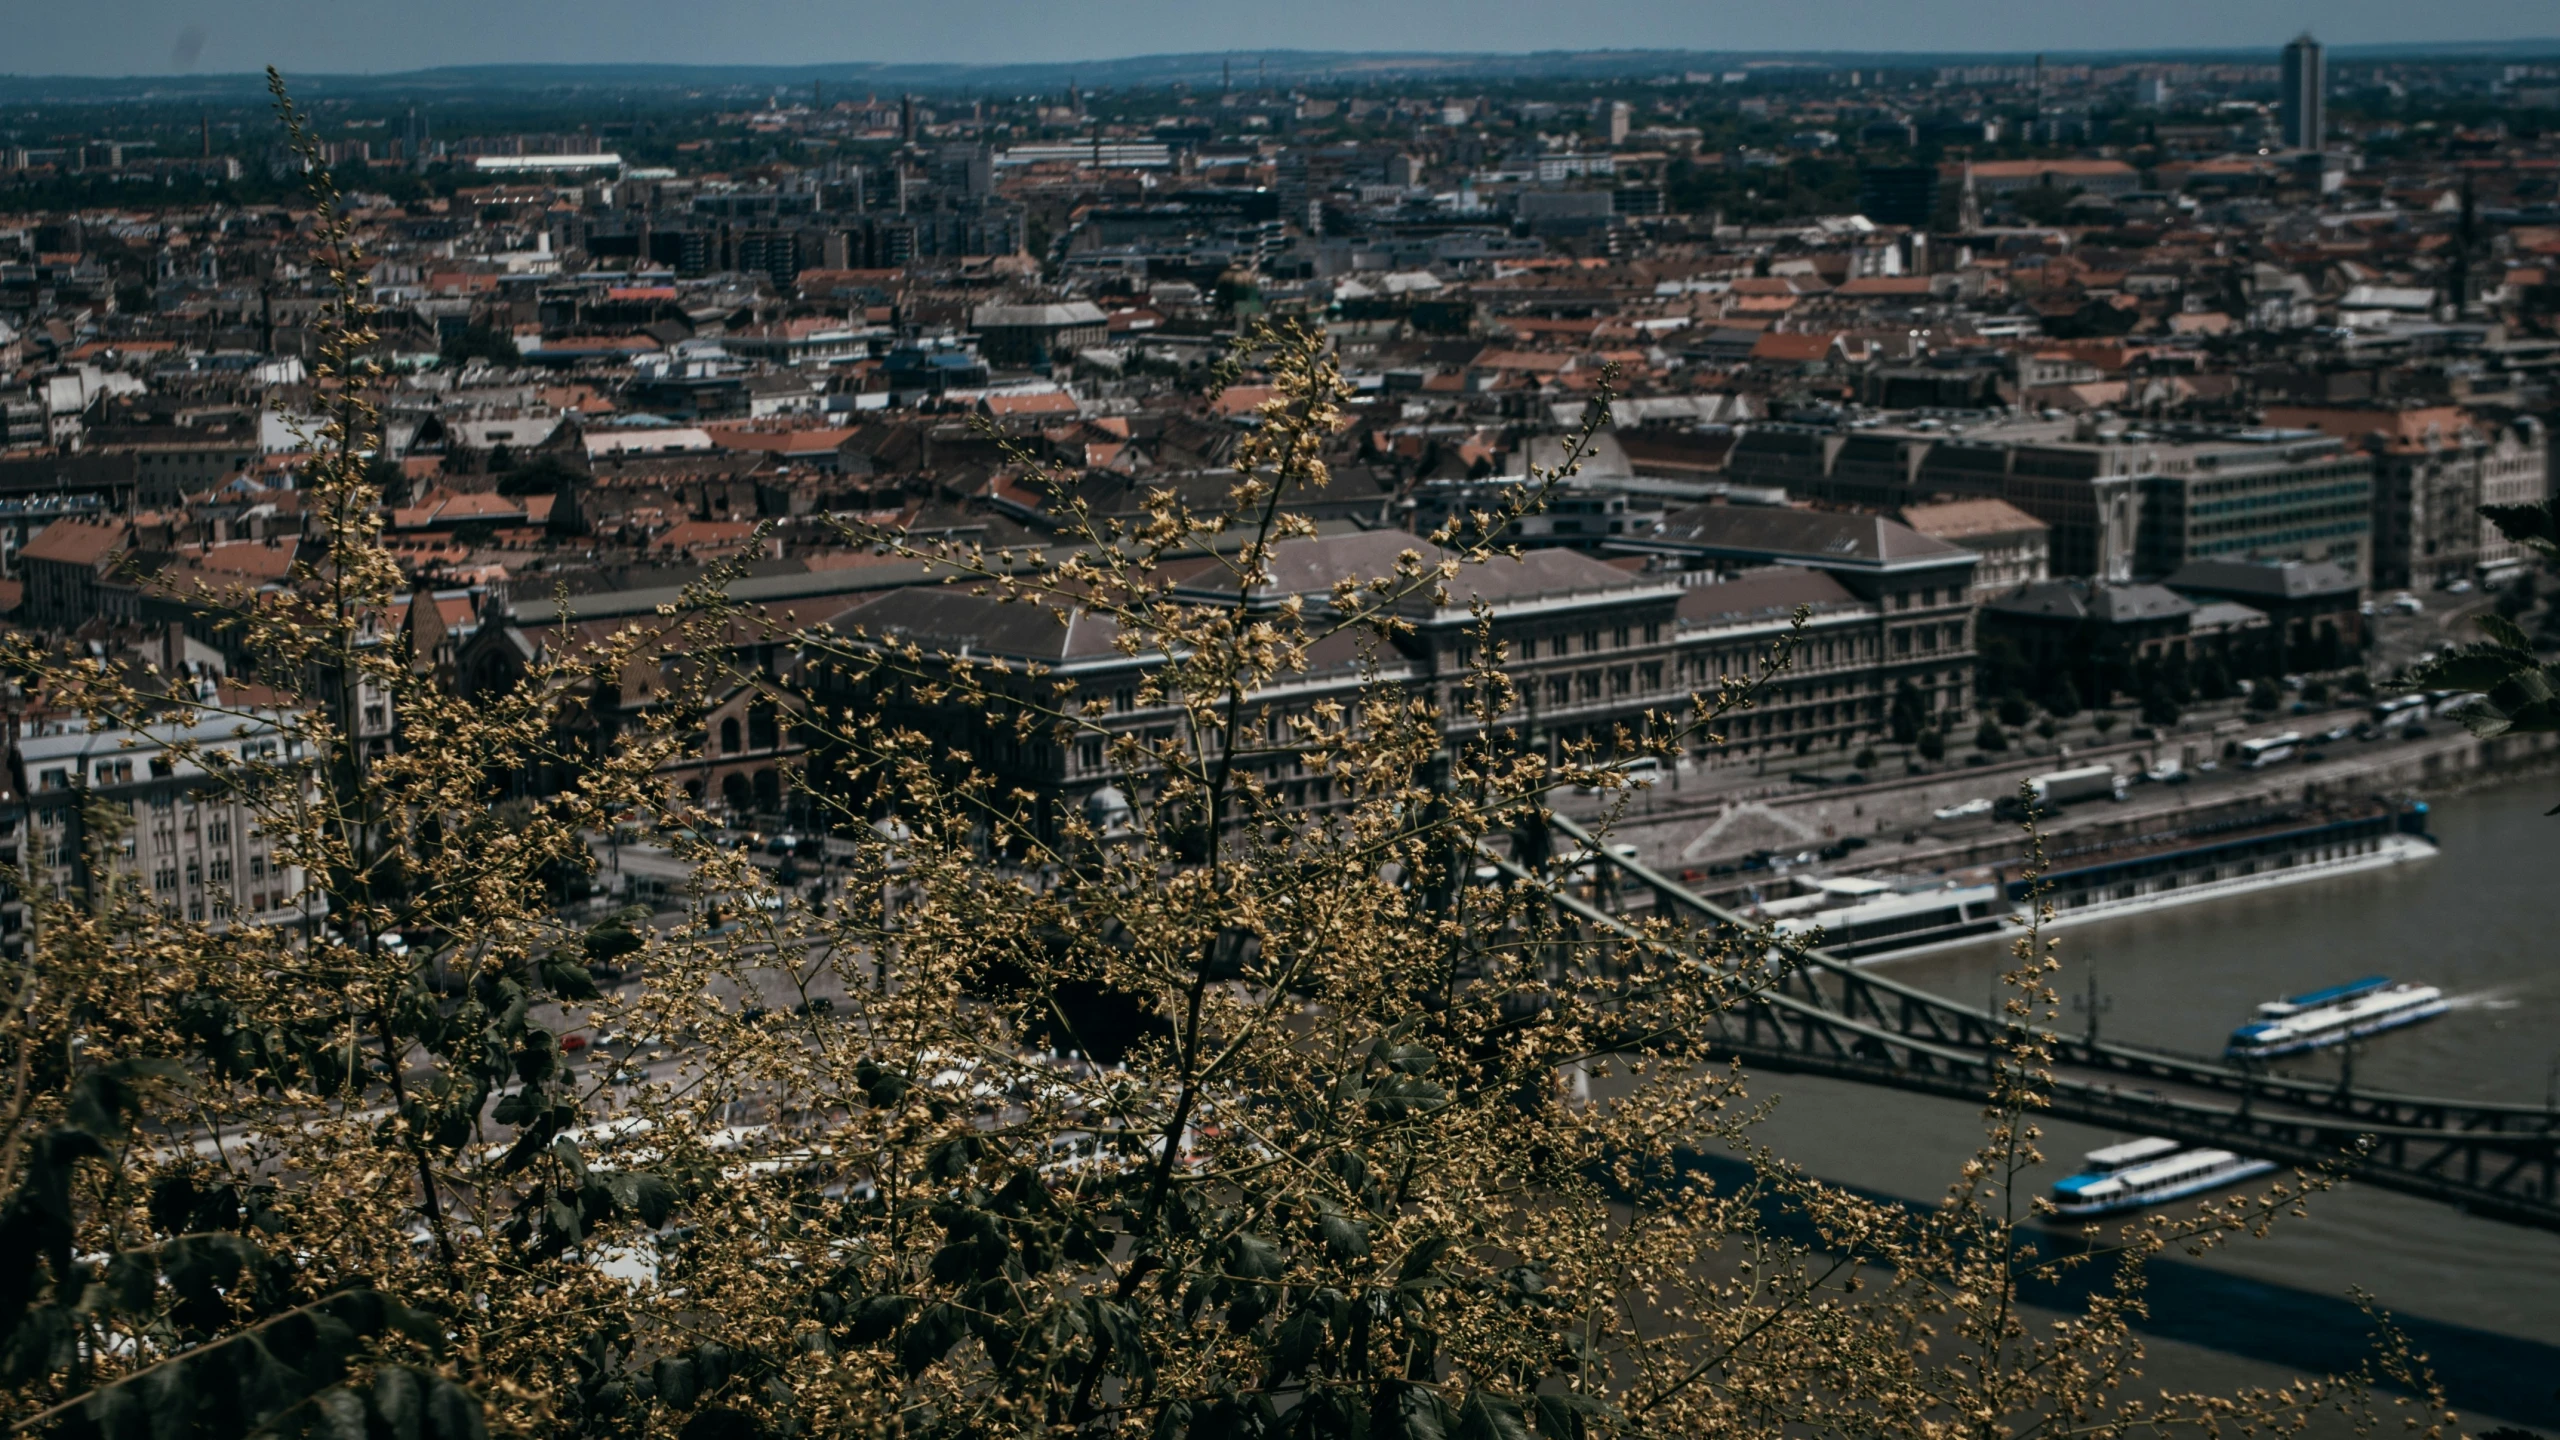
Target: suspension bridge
{"type": "Point", "coordinates": [1824, 1016]}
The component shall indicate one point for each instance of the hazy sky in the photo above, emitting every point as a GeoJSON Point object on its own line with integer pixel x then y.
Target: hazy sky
{"type": "Point", "coordinates": [130, 37]}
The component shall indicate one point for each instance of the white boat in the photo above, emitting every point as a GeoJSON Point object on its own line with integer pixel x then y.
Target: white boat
{"type": "Point", "coordinates": [1858, 917]}
{"type": "Point", "coordinates": [2328, 1017]}
{"type": "Point", "coordinates": [2146, 1172]}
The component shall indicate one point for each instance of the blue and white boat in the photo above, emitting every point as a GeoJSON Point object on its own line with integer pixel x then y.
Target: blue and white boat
{"type": "Point", "coordinates": [2151, 1171]}
{"type": "Point", "coordinates": [2328, 1017]}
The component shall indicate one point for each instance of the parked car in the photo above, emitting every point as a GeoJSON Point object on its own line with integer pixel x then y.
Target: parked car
{"type": "Point", "coordinates": [1963, 809]}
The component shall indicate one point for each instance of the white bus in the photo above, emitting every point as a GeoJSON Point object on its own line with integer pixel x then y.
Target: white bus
{"type": "Point", "coordinates": [2268, 750]}
{"type": "Point", "coordinates": [2399, 710]}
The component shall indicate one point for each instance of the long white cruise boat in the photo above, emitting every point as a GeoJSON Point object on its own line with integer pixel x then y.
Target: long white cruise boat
{"type": "Point", "coordinates": [2204, 865]}
{"type": "Point", "coordinates": [2328, 1017]}
{"type": "Point", "coordinates": [2145, 1172]}
{"type": "Point", "coordinates": [1858, 917]}
{"type": "Point", "coordinates": [1865, 918]}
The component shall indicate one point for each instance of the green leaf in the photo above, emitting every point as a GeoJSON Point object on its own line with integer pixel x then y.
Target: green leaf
{"type": "Point", "coordinates": [677, 1382]}
{"type": "Point", "coordinates": [1488, 1417]}
{"type": "Point", "coordinates": [2533, 526]}
{"type": "Point", "coordinates": [644, 1196]}
{"type": "Point", "coordinates": [1419, 1260]}
{"type": "Point", "coordinates": [453, 1413]}
{"type": "Point", "coordinates": [2477, 668]}
{"type": "Point", "coordinates": [567, 978]}
{"type": "Point", "coordinates": [1347, 1238]}
{"type": "Point", "coordinates": [713, 1364]}
{"type": "Point", "coordinates": [397, 1404]}
{"type": "Point", "coordinates": [341, 1414]}
{"type": "Point", "coordinates": [2505, 632]}
{"type": "Point", "coordinates": [1251, 1257]}
{"type": "Point", "coordinates": [1299, 1338]}
{"type": "Point", "coordinates": [877, 1317]}
{"type": "Point", "coordinates": [133, 1277]}
{"type": "Point", "coordinates": [106, 1099]}
{"type": "Point", "coordinates": [1418, 1414]}
{"type": "Point", "coordinates": [951, 1159]}
{"type": "Point", "coordinates": [931, 1337]}
{"type": "Point", "coordinates": [1566, 1416]}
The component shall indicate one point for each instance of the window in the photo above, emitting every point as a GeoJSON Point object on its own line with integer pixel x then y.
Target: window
{"type": "Point", "coordinates": [217, 831]}
{"type": "Point", "coordinates": [1621, 680]}
{"type": "Point", "coordinates": [1652, 677]}
{"type": "Point", "coordinates": [1653, 632]}
{"type": "Point", "coordinates": [729, 735]}
{"type": "Point", "coordinates": [221, 870]}
{"type": "Point", "coordinates": [195, 874]}
{"type": "Point", "coordinates": [1529, 647]}
{"type": "Point", "coordinates": [257, 867]}
{"type": "Point", "coordinates": [1089, 754]}
{"type": "Point", "coordinates": [1124, 700]}
{"type": "Point", "coordinates": [1620, 638]}
{"type": "Point", "coordinates": [1590, 642]}
{"type": "Point", "coordinates": [1590, 684]}
{"type": "Point", "coordinates": [1901, 642]}
{"type": "Point", "coordinates": [1559, 690]}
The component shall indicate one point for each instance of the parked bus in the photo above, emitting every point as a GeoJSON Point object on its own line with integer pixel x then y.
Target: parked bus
{"type": "Point", "coordinates": [2268, 750]}
{"type": "Point", "coordinates": [2399, 710]}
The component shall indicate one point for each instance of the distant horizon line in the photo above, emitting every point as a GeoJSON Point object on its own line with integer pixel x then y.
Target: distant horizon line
{"type": "Point", "coordinates": [1298, 64]}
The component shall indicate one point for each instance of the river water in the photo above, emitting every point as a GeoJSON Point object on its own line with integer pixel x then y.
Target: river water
{"type": "Point", "coordinates": [2481, 920]}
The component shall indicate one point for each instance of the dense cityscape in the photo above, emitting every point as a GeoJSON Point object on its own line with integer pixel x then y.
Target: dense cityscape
{"type": "Point", "coordinates": [2139, 446]}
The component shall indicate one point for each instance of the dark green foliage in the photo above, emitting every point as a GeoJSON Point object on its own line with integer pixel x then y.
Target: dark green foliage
{"type": "Point", "coordinates": [2157, 707]}
{"type": "Point", "coordinates": [1989, 736]}
{"type": "Point", "coordinates": [1909, 713]}
{"type": "Point", "coordinates": [2213, 679]}
{"type": "Point", "coordinates": [2063, 699]}
{"type": "Point", "coordinates": [544, 474]}
{"type": "Point", "coordinates": [286, 1370]}
{"type": "Point", "coordinates": [480, 342]}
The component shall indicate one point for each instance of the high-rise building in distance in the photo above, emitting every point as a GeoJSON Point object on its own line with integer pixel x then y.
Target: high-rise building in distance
{"type": "Point", "coordinates": [2304, 107]}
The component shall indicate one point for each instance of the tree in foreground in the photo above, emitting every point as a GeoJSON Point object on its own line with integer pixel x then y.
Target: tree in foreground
{"type": "Point", "coordinates": [1218, 1115]}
